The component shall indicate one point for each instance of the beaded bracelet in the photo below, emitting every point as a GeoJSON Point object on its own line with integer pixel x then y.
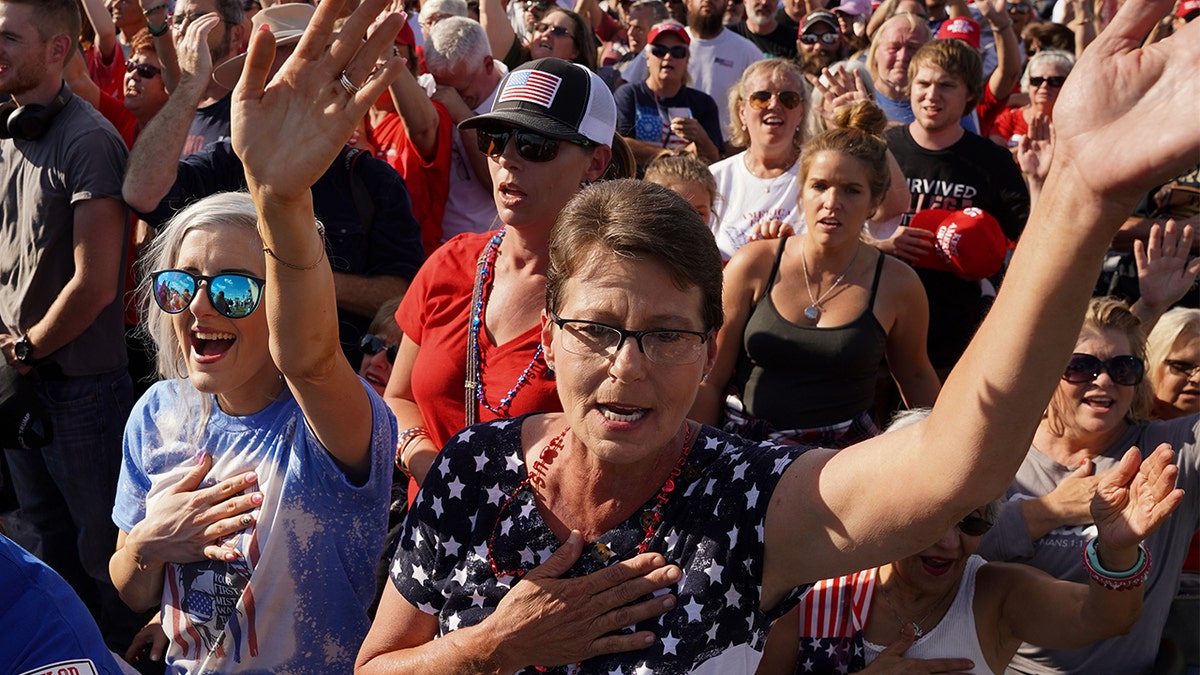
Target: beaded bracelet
{"type": "Point", "coordinates": [407, 438]}
{"type": "Point", "coordinates": [1116, 581]}
{"type": "Point", "coordinates": [157, 32]}
{"type": "Point", "coordinates": [148, 12]}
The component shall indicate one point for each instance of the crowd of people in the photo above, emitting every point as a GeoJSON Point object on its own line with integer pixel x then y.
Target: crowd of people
{"type": "Point", "coordinates": [379, 335]}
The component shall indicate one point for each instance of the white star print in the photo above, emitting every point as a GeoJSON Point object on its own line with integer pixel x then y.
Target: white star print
{"type": "Point", "coordinates": [752, 496]}
{"type": "Point", "coordinates": [714, 572]}
{"type": "Point", "coordinates": [502, 423]}
{"type": "Point", "coordinates": [669, 643]}
{"type": "Point", "coordinates": [480, 462]}
{"type": "Point", "coordinates": [452, 622]}
{"type": "Point", "coordinates": [711, 443]}
{"type": "Point", "coordinates": [693, 609]}
{"type": "Point", "coordinates": [781, 464]}
{"type": "Point", "coordinates": [460, 576]}
{"type": "Point", "coordinates": [456, 487]}
{"type": "Point", "coordinates": [437, 506]}
{"type": "Point", "coordinates": [514, 462]}
{"type": "Point", "coordinates": [732, 597]}
{"type": "Point", "coordinates": [397, 568]}
{"type": "Point", "coordinates": [419, 574]}
{"type": "Point", "coordinates": [495, 495]}
{"type": "Point", "coordinates": [465, 436]}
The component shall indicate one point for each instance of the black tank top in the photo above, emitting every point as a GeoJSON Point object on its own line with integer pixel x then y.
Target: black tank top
{"type": "Point", "coordinates": [800, 377]}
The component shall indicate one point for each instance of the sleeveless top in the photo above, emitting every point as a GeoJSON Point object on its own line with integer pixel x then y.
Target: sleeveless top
{"type": "Point", "coordinates": [796, 377]}
{"type": "Point", "coordinates": [955, 636]}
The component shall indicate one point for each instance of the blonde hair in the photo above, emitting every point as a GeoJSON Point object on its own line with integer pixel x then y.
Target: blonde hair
{"type": "Point", "coordinates": [777, 69]}
{"type": "Point", "coordinates": [1166, 332]}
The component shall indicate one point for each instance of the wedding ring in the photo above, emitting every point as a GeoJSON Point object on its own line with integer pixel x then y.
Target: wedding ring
{"type": "Point", "coordinates": [349, 86]}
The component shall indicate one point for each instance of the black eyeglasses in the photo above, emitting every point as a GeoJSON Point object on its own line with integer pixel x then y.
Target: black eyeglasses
{"type": "Point", "coordinates": [761, 100]}
{"type": "Point", "coordinates": [1125, 370]}
{"type": "Point", "coordinates": [665, 347]}
{"type": "Point", "coordinates": [373, 344]}
{"type": "Point", "coordinates": [676, 51]}
{"type": "Point", "coordinates": [1055, 81]}
{"type": "Point", "coordinates": [530, 144]}
{"type": "Point", "coordinates": [234, 295]}
{"type": "Point", "coordinates": [1183, 368]}
{"type": "Point", "coordinates": [556, 31]}
{"type": "Point", "coordinates": [827, 38]}
{"type": "Point", "coordinates": [974, 526]}
{"type": "Point", "coordinates": [144, 70]}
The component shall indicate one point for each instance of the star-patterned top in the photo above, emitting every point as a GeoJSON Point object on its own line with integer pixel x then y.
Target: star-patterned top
{"type": "Point", "coordinates": [712, 529]}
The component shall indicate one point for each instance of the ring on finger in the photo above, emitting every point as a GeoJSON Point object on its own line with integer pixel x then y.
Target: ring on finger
{"type": "Point", "coordinates": [349, 86]}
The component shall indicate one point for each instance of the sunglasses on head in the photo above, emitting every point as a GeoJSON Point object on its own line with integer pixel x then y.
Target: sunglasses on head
{"type": "Point", "coordinates": [556, 31]}
{"type": "Point", "coordinates": [827, 38]}
{"type": "Point", "coordinates": [761, 100]}
{"type": "Point", "coordinates": [1055, 81]}
{"type": "Point", "coordinates": [373, 344]}
{"type": "Point", "coordinates": [974, 526]}
{"type": "Point", "coordinates": [144, 70]}
{"type": "Point", "coordinates": [234, 295]}
{"type": "Point", "coordinates": [530, 144]}
{"type": "Point", "coordinates": [676, 51]}
{"type": "Point", "coordinates": [1124, 370]}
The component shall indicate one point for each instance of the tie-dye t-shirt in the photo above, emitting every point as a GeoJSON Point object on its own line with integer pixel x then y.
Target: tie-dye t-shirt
{"type": "Point", "coordinates": [297, 600]}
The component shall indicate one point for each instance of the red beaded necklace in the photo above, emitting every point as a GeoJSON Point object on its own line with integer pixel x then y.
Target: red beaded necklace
{"type": "Point", "coordinates": [537, 476]}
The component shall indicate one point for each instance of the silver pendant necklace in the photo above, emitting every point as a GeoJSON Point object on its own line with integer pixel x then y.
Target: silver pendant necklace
{"type": "Point", "coordinates": [813, 311]}
{"type": "Point", "coordinates": [918, 632]}
{"type": "Point", "coordinates": [768, 184]}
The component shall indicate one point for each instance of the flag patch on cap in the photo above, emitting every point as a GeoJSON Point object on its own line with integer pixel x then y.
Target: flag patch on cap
{"type": "Point", "coordinates": [533, 86]}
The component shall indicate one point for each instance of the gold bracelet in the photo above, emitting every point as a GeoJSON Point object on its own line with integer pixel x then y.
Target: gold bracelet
{"type": "Point", "coordinates": [281, 261]}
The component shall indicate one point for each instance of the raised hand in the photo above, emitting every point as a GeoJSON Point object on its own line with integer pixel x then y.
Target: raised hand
{"type": "Point", "coordinates": [191, 50]}
{"type": "Point", "coordinates": [1136, 497]}
{"type": "Point", "coordinates": [548, 621]}
{"type": "Point", "coordinates": [1164, 274]}
{"type": "Point", "coordinates": [838, 87]}
{"type": "Point", "coordinates": [771, 228]}
{"type": "Point", "coordinates": [187, 523]}
{"type": "Point", "coordinates": [1036, 149]}
{"type": "Point", "coordinates": [289, 129]}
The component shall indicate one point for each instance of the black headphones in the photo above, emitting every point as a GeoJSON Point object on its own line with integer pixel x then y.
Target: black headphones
{"type": "Point", "coordinates": [30, 122]}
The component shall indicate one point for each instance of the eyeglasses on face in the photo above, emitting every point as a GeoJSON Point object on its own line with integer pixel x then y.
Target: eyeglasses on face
{"type": "Point", "coordinates": [761, 100]}
{"type": "Point", "coordinates": [234, 295]}
{"type": "Point", "coordinates": [662, 346]}
{"type": "Point", "coordinates": [1055, 81]}
{"type": "Point", "coordinates": [373, 344]}
{"type": "Point", "coordinates": [530, 144]}
{"type": "Point", "coordinates": [827, 38]}
{"type": "Point", "coordinates": [179, 20]}
{"type": "Point", "coordinates": [144, 70]}
{"type": "Point", "coordinates": [1183, 368]}
{"type": "Point", "coordinates": [676, 51]}
{"type": "Point", "coordinates": [1019, 7]}
{"type": "Point", "coordinates": [974, 526]}
{"type": "Point", "coordinates": [556, 31]}
{"type": "Point", "coordinates": [1124, 370]}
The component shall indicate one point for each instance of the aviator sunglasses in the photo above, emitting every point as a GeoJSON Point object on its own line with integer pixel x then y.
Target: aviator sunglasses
{"type": "Point", "coordinates": [234, 295]}
{"type": "Point", "coordinates": [373, 344]}
{"type": "Point", "coordinates": [530, 144]}
{"type": "Point", "coordinates": [974, 526]}
{"type": "Point", "coordinates": [1055, 81]}
{"type": "Point", "coordinates": [761, 100]}
{"type": "Point", "coordinates": [144, 70]}
{"type": "Point", "coordinates": [827, 38]}
{"type": "Point", "coordinates": [676, 51]}
{"type": "Point", "coordinates": [1124, 370]}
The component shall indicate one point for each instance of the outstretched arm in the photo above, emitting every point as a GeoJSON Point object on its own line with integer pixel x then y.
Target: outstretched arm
{"type": "Point", "coordinates": [983, 422]}
{"type": "Point", "coordinates": [309, 98]}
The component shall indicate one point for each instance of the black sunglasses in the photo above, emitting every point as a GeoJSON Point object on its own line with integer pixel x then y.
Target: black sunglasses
{"type": "Point", "coordinates": [676, 51]}
{"type": "Point", "coordinates": [827, 38]}
{"type": "Point", "coordinates": [530, 144]}
{"type": "Point", "coordinates": [144, 70]}
{"type": "Point", "coordinates": [556, 31]}
{"type": "Point", "coordinates": [1055, 81]}
{"type": "Point", "coordinates": [1124, 370]}
{"type": "Point", "coordinates": [974, 526]}
{"type": "Point", "coordinates": [234, 295]}
{"type": "Point", "coordinates": [373, 344]}
{"type": "Point", "coordinates": [1019, 7]}
{"type": "Point", "coordinates": [760, 100]}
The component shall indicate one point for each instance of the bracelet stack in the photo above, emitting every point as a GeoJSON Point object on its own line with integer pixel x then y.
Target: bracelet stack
{"type": "Point", "coordinates": [1116, 581]}
{"type": "Point", "coordinates": [997, 29]}
{"type": "Point", "coordinates": [408, 437]}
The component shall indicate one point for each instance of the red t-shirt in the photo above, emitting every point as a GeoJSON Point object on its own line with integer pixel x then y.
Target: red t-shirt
{"type": "Point", "coordinates": [428, 181]}
{"type": "Point", "coordinates": [434, 314]}
{"type": "Point", "coordinates": [110, 77]}
{"type": "Point", "coordinates": [988, 109]}
{"type": "Point", "coordinates": [1011, 123]}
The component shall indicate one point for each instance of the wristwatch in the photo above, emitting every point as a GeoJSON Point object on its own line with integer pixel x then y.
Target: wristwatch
{"type": "Point", "coordinates": [23, 350]}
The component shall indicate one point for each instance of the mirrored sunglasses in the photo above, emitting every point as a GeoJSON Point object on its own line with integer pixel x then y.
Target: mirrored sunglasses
{"type": "Point", "coordinates": [144, 70]}
{"type": "Point", "coordinates": [676, 51]}
{"type": "Point", "coordinates": [373, 344]}
{"type": "Point", "coordinates": [974, 526]}
{"type": "Point", "coordinates": [760, 100]}
{"type": "Point", "coordinates": [232, 295]}
{"type": "Point", "coordinates": [530, 144]}
{"type": "Point", "coordinates": [1055, 81]}
{"type": "Point", "coordinates": [1125, 370]}
{"type": "Point", "coordinates": [827, 38]}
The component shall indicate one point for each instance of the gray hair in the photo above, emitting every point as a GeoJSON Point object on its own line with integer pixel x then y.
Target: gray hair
{"type": "Point", "coordinates": [658, 10]}
{"type": "Point", "coordinates": [452, 7]}
{"type": "Point", "coordinates": [1050, 57]}
{"type": "Point", "coordinates": [453, 42]}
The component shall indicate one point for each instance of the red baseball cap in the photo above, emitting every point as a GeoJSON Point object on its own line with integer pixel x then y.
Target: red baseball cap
{"type": "Point", "coordinates": [968, 243]}
{"type": "Point", "coordinates": [668, 27]}
{"type": "Point", "coordinates": [1187, 7]}
{"type": "Point", "coordinates": [962, 28]}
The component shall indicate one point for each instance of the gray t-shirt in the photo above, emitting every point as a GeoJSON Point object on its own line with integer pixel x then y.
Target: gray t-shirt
{"type": "Point", "coordinates": [1059, 552]}
{"type": "Point", "coordinates": [81, 157]}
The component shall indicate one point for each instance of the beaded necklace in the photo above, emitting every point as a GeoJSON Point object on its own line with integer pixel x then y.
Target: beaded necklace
{"type": "Point", "coordinates": [475, 394]}
{"type": "Point", "coordinates": [537, 476]}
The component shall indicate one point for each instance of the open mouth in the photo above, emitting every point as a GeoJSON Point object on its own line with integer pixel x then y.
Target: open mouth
{"type": "Point", "coordinates": [936, 566]}
{"type": "Point", "coordinates": [1099, 403]}
{"type": "Point", "coordinates": [210, 346]}
{"type": "Point", "coordinates": [619, 413]}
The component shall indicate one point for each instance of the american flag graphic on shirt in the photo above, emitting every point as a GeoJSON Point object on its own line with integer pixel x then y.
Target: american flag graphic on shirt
{"type": "Point", "coordinates": [532, 86]}
{"type": "Point", "coordinates": [832, 616]}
